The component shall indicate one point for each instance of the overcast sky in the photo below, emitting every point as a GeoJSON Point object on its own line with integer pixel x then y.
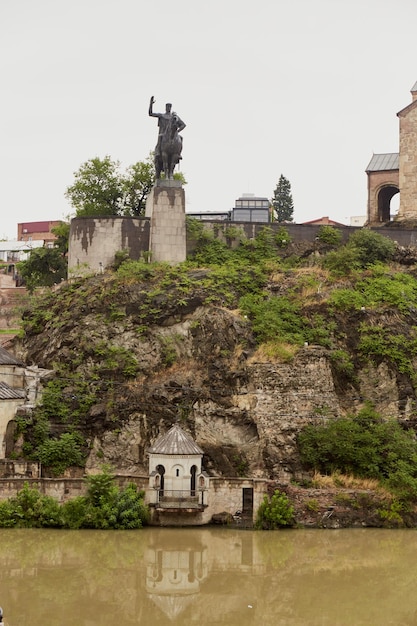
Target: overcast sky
{"type": "Point", "coordinates": [308, 89]}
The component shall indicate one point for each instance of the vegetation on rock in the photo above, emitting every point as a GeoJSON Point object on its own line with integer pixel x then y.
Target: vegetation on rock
{"type": "Point", "coordinates": [366, 446]}
{"type": "Point", "coordinates": [147, 344]}
{"type": "Point", "coordinates": [275, 512]}
{"type": "Point", "coordinates": [104, 507]}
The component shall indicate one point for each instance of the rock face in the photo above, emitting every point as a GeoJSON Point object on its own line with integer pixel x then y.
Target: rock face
{"type": "Point", "coordinates": [151, 359]}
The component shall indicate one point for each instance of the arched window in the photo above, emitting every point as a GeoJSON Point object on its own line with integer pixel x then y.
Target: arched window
{"type": "Point", "coordinates": [161, 471]}
{"type": "Point", "coordinates": [193, 472]}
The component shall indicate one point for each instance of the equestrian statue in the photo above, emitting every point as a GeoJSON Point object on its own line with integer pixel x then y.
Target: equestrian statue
{"type": "Point", "coordinates": [169, 147]}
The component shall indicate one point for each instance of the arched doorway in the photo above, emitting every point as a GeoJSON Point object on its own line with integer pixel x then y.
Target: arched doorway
{"type": "Point", "coordinates": [161, 471]}
{"type": "Point", "coordinates": [9, 438]}
{"type": "Point", "coordinates": [193, 479]}
{"type": "Point", "coordinates": [385, 194]}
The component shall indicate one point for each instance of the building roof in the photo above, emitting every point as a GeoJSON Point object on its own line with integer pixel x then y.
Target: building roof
{"type": "Point", "coordinates": [175, 441]}
{"type": "Point", "coordinates": [8, 393]}
{"type": "Point", "coordinates": [414, 87]}
{"type": "Point", "coordinates": [6, 358]}
{"type": "Point", "coordinates": [322, 221]}
{"type": "Point", "coordinates": [38, 227]}
{"type": "Point", "coordinates": [20, 246]}
{"type": "Point", "coordinates": [384, 162]}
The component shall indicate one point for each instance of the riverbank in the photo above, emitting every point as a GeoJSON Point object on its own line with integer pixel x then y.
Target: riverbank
{"type": "Point", "coordinates": [334, 508]}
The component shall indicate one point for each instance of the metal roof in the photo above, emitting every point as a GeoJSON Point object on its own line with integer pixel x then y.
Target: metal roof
{"type": "Point", "coordinates": [175, 441]}
{"type": "Point", "coordinates": [383, 162]}
{"type": "Point", "coordinates": [8, 359]}
{"type": "Point", "coordinates": [7, 393]}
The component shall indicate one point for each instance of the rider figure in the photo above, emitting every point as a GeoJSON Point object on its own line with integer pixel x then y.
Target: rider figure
{"type": "Point", "coordinates": [163, 121]}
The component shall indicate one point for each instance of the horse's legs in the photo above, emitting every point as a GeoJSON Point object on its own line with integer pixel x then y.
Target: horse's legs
{"type": "Point", "coordinates": [158, 166]}
{"type": "Point", "coordinates": [165, 164]}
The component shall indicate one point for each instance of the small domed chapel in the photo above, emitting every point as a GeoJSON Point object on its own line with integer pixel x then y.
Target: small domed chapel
{"type": "Point", "coordinates": [177, 481]}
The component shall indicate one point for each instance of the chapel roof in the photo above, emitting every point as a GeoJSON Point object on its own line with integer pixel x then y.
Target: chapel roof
{"type": "Point", "coordinates": [6, 358]}
{"type": "Point", "coordinates": [8, 393]}
{"type": "Point", "coordinates": [175, 441]}
{"type": "Point", "coordinates": [384, 162]}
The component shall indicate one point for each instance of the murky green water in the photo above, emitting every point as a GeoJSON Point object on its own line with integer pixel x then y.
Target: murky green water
{"type": "Point", "coordinates": [208, 576]}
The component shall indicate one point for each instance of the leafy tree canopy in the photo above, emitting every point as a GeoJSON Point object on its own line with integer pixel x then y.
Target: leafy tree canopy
{"type": "Point", "coordinates": [44, 267]}
{"type": "Point", "coordinates": [282, 202]}
{"type": "Point", "coordinates": [366, 446]}
{"type": "Point", "coordinates": [97, 189]}
{"type": "Point", "coordinates": [61, 233]}
{"type": "Point", "coordinates": [100, 187]}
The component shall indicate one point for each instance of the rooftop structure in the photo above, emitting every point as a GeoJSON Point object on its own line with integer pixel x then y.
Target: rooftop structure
{"type": "Point", "coordinates": [175, 441]}
{"type": "Point", "coordinates": [251, 208]}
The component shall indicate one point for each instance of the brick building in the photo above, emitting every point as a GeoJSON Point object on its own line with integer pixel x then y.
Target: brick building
{"type": "Point", "coordinates": [36, 231]}
{"type": "Point", "coordinates": [395, 172]}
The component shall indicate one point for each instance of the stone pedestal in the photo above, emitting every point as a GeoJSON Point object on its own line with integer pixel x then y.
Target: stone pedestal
{"type": "Point", "coordinates": [165, 206]}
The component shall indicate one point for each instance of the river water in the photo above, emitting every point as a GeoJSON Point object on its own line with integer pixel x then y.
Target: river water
{"type": "Point", "coordinates": [213, 576]}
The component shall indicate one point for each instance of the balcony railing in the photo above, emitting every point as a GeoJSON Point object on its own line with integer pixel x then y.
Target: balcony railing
{"type": "Point", "coordinates": [180, 499]}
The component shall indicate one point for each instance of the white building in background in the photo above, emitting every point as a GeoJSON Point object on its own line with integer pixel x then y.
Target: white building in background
{"type": "Point", "coordinates": [358, 220]}
{"type": "Point", "coordinates": [16, 251]}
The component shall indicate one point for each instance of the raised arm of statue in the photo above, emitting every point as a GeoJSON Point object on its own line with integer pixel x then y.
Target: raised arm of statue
{"type": "Point", "coordinates": [151, 113]}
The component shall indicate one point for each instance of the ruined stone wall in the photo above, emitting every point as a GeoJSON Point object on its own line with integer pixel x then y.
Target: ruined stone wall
{"type": "Point", "coordinates": [224, 495]}
{"type": "Point", "coordinates": [289, 396]}
{"type": "Point", "coordinates": [303, 232]}
{"type": "Point", "coordinates": [94, 241]}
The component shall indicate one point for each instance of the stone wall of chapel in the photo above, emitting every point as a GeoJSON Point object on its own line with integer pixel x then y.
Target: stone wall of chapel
{"type": "Point", "coordinates": [408, 164]}
{"type": "Point", "coordinates": [376, 182]}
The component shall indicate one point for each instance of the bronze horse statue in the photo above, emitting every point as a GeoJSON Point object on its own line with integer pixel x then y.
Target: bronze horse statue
{"type": "Point", "coordinates": [170, 148]}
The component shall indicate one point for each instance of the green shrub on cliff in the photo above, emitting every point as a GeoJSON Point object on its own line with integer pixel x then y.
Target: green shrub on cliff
{"type": "Point", "coordinates": [104, 507]}
{"type": "Point", "coordinates": [366, 446]}
{"type": "Point", "coordinates": [274, 318]}
{"type": "Point", "coordinates": [275, 512]}
{"type": "Point", "coordinates": [30, 509]}
{"type": "Point", "coordinates": [364, 249]}
{"type": "Point", "coordinates": [58, 454]}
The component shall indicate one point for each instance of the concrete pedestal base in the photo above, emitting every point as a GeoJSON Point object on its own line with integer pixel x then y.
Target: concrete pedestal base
{"type": "Point", "coordinates": [165, 206]}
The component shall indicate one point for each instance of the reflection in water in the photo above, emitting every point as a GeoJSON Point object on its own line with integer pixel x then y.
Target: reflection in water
{"type": "Point", "coordinates": [174, 572]}
{"type": "Point", "coordinates": [208, 576]}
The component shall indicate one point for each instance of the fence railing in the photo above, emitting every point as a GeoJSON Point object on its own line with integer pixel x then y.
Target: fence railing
{"type": "Point", "coordinates": [180, 498]}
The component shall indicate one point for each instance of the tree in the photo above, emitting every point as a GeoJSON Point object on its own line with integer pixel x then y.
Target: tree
{"type": "Point", "coordinates": [61, 233]}
{"type": "Point", "coordinates": [275, 512]}
{"type": "Point", "coordinates": [371, 247]}
{"type": "Point", "coordinates": [44, 267]}
{"type": "Point", "coordinates": [101, 189]}
{"type": "Point", "coordinates": [137, 184]}
{"type": "Point", "coordinates": [282, 202]}
{"type": "Point", "coordinates": [98, 188]}
{"type": "Point", "coordinates": [47, 266]}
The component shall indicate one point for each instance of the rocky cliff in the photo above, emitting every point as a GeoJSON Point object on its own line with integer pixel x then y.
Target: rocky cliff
{"type": "Point", "coordinates": [133, 353]}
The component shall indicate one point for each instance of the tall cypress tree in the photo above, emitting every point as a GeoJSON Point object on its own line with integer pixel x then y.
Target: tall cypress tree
{"type": "Point", "coordinates": [282, 202]}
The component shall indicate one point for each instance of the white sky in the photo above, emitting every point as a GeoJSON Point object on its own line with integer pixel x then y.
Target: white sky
{"type": "Point", "coordinates": [308, 89]}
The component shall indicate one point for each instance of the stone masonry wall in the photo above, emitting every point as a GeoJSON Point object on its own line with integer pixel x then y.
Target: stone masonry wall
{"type": "Point", "coordinates": [376, 181]}
{"type": "Point", "coordinates": [408, 164]}
{"type": "Point", "coordinates": [93, 242]}
{"type": "Point", "coordinates": [165, 207]}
